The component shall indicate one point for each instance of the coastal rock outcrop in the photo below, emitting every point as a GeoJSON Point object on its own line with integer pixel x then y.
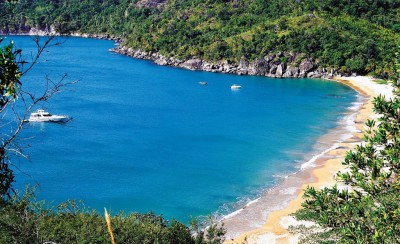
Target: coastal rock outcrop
{"type": "Point", "coordinates": [259, 67]}
{"type": "Point", "coordinates": [192, 64]}
{"type": "Point", "coordinates": [243, 67]}
{"type": "Point", "coordinates": [25, 29]}
{"type": "Point", "coordinates": [305, 67]}
{"type": "Point", "coordinates": [280, 69]}
{"type": "Point", "coordinates": [281, 64]}
{"type": "Point", "coordinates": [272, 70]}
{"type": "Point", "coordinates": [291, 71]}
{"type": "Point", "coordinates": [161, 61]}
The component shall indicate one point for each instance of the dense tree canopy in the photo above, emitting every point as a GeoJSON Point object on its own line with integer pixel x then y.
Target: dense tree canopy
{"type": "Point", "coordinates": [359, 36]}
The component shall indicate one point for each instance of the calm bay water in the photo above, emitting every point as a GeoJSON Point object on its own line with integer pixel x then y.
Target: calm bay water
{"type": "Point", "coordinates": [146, 137]}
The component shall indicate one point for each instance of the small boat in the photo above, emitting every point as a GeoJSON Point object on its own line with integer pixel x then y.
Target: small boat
{"type": "Point", "coordinates": [235, 87]}
{"type": "Point", "coordinates": [203, 83]}
{"type": "Point", "coordinates": [42, 116]}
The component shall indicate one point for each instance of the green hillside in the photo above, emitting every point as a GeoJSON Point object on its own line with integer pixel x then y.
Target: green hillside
{"type": "Point", "coordinates": [348, 35]}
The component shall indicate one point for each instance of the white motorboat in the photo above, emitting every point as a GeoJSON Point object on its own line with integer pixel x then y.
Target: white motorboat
{"type": "Point", "coordinates": [235, 87]}
{"type": "Point", "coordinates": [42, 116]}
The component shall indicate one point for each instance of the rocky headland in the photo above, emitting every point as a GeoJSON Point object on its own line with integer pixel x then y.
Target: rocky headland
{"type": "Point", "coordinates": [279, 65]}
{"type": "Point", "coordinates": [51, 31]}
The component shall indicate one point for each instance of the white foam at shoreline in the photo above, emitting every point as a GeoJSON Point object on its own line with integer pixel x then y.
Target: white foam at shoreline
{"type": "Point", "coordinates": [239, 210]}
{"type": "Point", "coordinates": [231, 214]}
{"type": "Point", "coordinates": [356, 105]}
{"type": "Point", "coordinates": [348, 125]}
{"type": "Point", "coordinates": [315, 157]}
{"type": "Point", "coordinates": [251, 202]}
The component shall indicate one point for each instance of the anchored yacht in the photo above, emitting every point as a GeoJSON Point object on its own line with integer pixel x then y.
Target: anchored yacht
{"type": "Point", "coordinates": [235, 87]}
{"type": "Point", "coordinates": [42, 116]}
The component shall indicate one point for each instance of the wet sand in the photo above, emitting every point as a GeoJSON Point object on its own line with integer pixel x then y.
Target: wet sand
{"type": "Point", "coordinates": [266, 219]}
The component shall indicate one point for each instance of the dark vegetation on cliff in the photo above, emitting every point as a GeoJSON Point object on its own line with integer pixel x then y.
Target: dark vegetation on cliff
{"type": "Point", "coordinates": [346, 36]}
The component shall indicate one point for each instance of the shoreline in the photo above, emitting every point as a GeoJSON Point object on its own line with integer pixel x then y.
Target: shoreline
{"type": "Point", "coordinates": [271, 226]}
{"type": "Point", "coordinates": [287, 196]}
{"type": "Point", "coordinates": [268, 66]}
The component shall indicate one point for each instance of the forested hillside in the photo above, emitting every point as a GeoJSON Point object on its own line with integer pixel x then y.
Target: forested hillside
{"type": "Point", "coordinates": [346, 35]}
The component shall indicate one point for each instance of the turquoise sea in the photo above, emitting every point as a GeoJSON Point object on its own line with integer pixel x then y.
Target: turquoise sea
{"type": "Point", "coordinates": [151, 138]}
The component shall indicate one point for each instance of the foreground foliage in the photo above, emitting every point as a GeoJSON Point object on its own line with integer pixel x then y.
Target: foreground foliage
{"type": "Point", "coordinates": [24, 220]}
{"type": "Point", "coordinates": [348, 36]}
{"type": "Point", "coordinates": [9, 86]}
{"type": "Point", "coordinates": [369, 212]}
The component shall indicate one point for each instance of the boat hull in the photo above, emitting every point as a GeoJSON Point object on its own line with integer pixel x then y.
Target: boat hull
{"type": "Point", "coordinates": [60, 119]}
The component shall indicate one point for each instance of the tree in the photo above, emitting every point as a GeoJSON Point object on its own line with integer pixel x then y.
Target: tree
{"type": "Point", "coordinates": [9, 84]}
{"type": "Point", "coordinates": [370, 211]}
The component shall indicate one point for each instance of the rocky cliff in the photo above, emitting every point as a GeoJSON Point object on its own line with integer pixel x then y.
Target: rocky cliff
{"type": "Point", "coordinates": [279, 65]}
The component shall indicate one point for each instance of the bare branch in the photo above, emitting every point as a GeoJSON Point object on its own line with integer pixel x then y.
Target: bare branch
{"type": "Point", "coordinates": [42, 43]}
{"type": "Point", "coordinates": [14, 117]}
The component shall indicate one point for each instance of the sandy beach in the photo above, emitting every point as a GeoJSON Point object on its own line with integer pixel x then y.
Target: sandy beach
{"type": "Point", "coordinates": [267, 219]}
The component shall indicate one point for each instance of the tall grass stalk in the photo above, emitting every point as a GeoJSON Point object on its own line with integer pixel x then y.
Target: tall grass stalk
{"type": "Point", "coordinates": [108, 220]}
